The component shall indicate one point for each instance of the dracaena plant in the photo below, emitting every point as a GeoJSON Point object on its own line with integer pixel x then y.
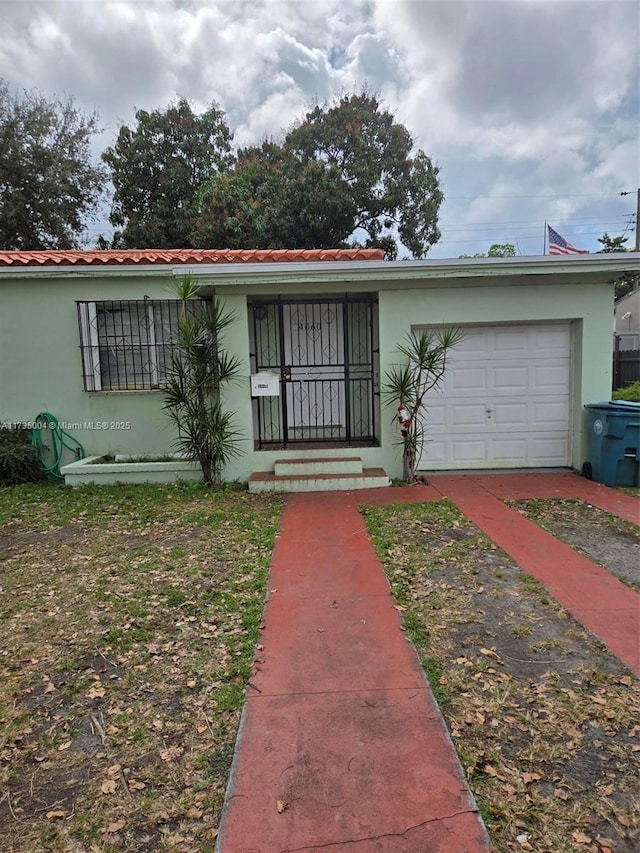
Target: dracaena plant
{"type": "Point", "coordinates": [199, 369]}
{"type": "Point", "coordinates": [424, 362]}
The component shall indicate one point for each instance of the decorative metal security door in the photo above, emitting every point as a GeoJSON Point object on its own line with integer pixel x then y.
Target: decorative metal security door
{"type": "Point", "coordinates": [325, 351]}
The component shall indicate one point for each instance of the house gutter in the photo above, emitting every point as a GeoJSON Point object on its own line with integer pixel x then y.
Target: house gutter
{"type": "Point", "coordinates": [414, 270]}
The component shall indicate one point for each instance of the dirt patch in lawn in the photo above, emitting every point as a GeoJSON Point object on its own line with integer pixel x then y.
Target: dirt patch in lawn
{"type": "Point", "coordinates": [545, 720]}
{"type": "Point", "coordinates": [129, 617]}
{"type": "Point", "coordinates": [604, 538]}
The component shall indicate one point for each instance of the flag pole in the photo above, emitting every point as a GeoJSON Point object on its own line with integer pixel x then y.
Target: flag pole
{"type": "Point", "coordinates": [544, 239]}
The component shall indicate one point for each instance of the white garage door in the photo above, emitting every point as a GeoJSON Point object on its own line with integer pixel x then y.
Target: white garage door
{"type": "Point", "coordinates": [504, 402]}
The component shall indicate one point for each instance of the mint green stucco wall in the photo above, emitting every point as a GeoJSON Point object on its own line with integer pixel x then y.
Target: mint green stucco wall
{"type": "Point", "coordinates": [41, 369]}
{"type": "Point", "coordinates": [41, 366]}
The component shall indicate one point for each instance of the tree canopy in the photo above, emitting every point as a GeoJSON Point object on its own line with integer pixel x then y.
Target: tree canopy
{"type": "Point", "coordinates": [612, 244]}
{"type": "Point", "coordinates": [49, 185]}
{"type": "Point", "coordinates": [496, 250]}
{"type": "Point", "coordinates": [346, 175]}
{"type": "Point", "coordinates": [157, 169]}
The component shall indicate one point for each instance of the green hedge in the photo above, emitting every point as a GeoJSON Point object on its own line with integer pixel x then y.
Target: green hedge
{"type": "Point", "coordinates": [19, 461]}
{"type": "Point", "coordinates": [630, 393]}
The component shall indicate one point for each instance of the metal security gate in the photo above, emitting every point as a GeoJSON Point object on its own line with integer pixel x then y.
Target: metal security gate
{"type": "Point", "coordinates": [326, 354]}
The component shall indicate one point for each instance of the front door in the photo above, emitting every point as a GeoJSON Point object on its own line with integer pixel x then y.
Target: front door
{"type": "Point", "coordinates": [325, 352]}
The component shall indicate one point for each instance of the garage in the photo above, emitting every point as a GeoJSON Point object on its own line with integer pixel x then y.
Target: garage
{"type": "Point", "coordinates": [505, 401]}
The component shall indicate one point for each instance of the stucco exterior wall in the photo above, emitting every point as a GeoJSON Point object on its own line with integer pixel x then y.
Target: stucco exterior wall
{"type": "Point", "coordinates": [41, 367]}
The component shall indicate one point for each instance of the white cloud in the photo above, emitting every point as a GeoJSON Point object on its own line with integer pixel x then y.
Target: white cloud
{"type": "Point", "coordinates": [514, 100]}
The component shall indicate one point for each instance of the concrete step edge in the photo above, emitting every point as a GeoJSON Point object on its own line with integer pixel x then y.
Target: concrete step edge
{"type": "Point", "coordinates": [333, 465]}
{"type": "Point", "coordinates": [371, 478]}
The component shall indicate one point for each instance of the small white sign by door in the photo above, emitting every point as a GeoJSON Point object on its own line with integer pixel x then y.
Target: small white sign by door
{"type": "Point", "coordinates": [265, 384]}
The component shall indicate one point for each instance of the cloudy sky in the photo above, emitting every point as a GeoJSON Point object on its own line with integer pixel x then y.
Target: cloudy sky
{"type": "Point", "coordinates": [529, 107]}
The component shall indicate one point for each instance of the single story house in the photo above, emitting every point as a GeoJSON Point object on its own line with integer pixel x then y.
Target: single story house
{"type": "Point", "coordinates": [86, 336]}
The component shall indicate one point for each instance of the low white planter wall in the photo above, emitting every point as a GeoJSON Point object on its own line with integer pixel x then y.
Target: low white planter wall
{"type": "Point", "coordinates": [92, 471]}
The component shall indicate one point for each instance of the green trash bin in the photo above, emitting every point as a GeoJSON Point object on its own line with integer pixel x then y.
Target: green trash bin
{"type": "Point", "coordinates": [614, 431]}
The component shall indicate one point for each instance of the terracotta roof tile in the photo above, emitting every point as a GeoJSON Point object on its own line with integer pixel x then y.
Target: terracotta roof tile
{"type": "Point", "coordinates": [145, 257]}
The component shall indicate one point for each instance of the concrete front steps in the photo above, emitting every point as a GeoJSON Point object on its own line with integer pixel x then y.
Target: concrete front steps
{"type": "Point", "coordinates": [329, 474]}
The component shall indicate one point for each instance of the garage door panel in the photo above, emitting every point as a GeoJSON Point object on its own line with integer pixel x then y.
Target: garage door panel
{"type": "Point", "coordinates": [509, 343]}
{"type": "Point", "coordinates": [466, 378]}
{"type": "Point", "coordinates": [466, 452]}
{"type": "Point", "coordinates": [505, 401]}
{"type": "Point", "coordinates": [553, 342]}
{"type": "Point", "coordinates": [436, 416]}
{"type": "Point", "coordinates": [435, 452]}
{"type": "Point", "coordinates": [508, 450]}
{"type": "Point", "coordinates": [467, 415]}
{"type": "Point", "coordinates": [512, 379]}
{"type": "Point", "coordinates": [550, 414]}
{"type": "Point", "coordinates": [510, 414]}
{"type": "Point", "coordinates": [473, 344]}
{"type": "Point", "coordinates": [549, 378]}
{"type": "Point", "coordinates": [550, 449]}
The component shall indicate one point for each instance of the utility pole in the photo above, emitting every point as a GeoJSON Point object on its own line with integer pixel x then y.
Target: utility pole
{"type": "Point", "coordinates": [636, 247]}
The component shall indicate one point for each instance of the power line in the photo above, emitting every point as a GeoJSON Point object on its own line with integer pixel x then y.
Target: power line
{"type": "Point", "coordinates": [556, 195]}
{"type": "Point", "coordinates": [519, 222]}
{"type": "Point", "coordinates": [570, 228]}
{"type": "Point", "coordinates": [521, 237]}
{"type": "Point", "coordinates": [534, 230]}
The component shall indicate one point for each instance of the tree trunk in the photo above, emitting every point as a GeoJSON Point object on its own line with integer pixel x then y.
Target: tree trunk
{"type": "Point", "coordinates": [408, 463]}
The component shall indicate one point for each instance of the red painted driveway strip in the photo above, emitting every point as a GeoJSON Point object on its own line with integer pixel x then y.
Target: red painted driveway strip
{"type": "Point", "coordinates": [565, 485]}
{"type": "Point", "coordinates": [601, 602]}
{"type": "Point", "coordinates": [340, 725]}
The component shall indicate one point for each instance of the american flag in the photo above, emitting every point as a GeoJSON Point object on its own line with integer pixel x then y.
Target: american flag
{"type": "Point", "coordinates": [559, 246]}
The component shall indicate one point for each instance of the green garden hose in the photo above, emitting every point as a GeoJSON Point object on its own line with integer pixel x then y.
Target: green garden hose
{"type": "Point", "coordinates": [51, 441]}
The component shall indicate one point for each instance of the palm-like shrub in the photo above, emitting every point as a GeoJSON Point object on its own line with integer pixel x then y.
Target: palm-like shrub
{"type": "Point", "coordinates": [199, 369]}
{"type": "Point", "coordinates": [406, 386]}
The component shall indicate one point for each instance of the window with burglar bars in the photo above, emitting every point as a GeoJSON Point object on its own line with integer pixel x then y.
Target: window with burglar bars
{"type": "Point", "coordinates": [126, 345]}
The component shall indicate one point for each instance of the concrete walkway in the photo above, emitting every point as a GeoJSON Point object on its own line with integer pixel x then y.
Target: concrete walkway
{"type": "Point", "coordinates": [341, 746]}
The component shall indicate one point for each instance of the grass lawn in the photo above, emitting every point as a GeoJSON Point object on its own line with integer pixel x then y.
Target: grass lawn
{"type": "Point", "coordinates": [129, 617]}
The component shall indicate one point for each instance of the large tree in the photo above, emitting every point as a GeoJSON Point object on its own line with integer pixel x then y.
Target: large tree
{"type": "Point", "coordinates": [157, 169]}
{"type": "Point", "coordinates": [347, 174]}
{"type": "Point", "coordinates": [49, 185]}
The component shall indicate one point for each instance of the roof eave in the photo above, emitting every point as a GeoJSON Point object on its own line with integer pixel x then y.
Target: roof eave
{"type": "Point", "coordinates": [327, 271]}
{"type": "Point", "coordinates": [413, 270]}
